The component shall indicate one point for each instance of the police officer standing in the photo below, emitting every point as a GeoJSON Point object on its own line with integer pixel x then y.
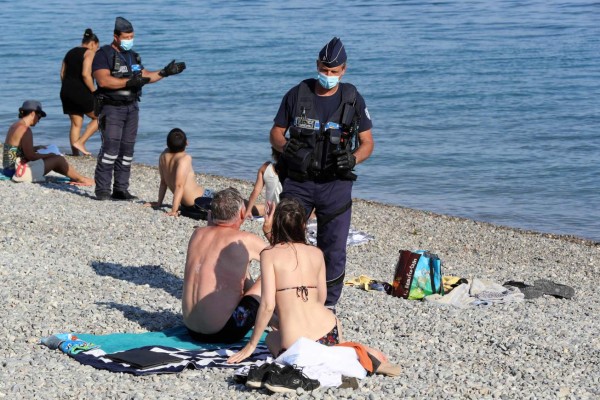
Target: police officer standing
{"type": "Point", "coordinates": [120, 75]}
{"type": "Point", "coordinates": [329, 133]}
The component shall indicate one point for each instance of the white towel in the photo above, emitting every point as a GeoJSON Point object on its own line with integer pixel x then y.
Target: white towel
{"type": "Point", "coordinates": [327, 364]}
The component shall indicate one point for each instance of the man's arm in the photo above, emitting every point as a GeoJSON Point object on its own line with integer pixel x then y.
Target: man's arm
{"type": "Point", "coordinates": [172, 68]}
{"type": "Point", "coordinates": [365, 146]}
{"type": "Point", "coordinates": [107, 81]}
{"type": "Point", "coordinates": [254, 244]}
{"type": "Point", "coordinates": [29, 151]}
{"type": "Point", "coordinates": [153, 75]}
{"type": "Point", "coordinates": [277, 137]}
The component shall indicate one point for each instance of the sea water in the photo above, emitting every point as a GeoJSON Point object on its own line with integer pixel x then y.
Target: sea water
{"type": "Point", "coordinates": [483, 109]}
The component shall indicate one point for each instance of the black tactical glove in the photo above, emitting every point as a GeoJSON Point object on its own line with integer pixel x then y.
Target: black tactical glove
{"type": "Point", "coordinates": [292, 146]}
{"type": "Point", "coordinates": [345, 160]}
{"type": "Point", "coordinates": [136, 82]}
{"type": "Point", "coordinates": [172, 68]}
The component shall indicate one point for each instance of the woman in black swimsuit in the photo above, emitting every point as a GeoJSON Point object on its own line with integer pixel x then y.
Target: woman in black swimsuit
{"type": "Point", "coordinates": [77, 90]}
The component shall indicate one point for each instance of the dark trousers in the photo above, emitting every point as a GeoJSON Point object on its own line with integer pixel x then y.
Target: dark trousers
{"type": "Point", "coordinates": [327, 199]}
{"type": "Point", "coordinates": [120, 125]}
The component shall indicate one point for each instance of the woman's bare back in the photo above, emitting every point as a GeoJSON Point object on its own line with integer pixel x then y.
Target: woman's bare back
{"type": "Point", "coordinates": [301, 290]}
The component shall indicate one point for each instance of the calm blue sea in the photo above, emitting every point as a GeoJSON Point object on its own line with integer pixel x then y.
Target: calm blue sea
{"type": "Point", "coordinates": [482, 109]}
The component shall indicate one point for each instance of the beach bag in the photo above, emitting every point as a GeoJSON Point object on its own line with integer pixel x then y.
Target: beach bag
{"type": "Point", "coordinates": [32, 171]}
{"type": "Point", "coordinates": [418, 274]}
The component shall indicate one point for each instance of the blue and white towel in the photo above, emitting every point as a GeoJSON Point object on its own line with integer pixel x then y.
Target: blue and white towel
{"type": "Point", "coordinates": [216, 358]}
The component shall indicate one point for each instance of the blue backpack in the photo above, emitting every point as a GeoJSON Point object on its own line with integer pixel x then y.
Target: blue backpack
{"type": "Point", "coordinates": [418, 274]}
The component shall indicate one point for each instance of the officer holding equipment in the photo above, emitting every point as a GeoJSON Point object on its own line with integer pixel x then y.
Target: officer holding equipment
{"type": "Point", "coordinates": [329, 133]}
{"type": "Point", "coordinates": [120, 76]}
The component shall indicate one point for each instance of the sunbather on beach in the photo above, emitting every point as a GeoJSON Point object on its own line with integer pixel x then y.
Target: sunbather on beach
{"type": "Point", "coordinates": [294, 286]}
{"type": "Point", "coordinates": [177, 174]}
{"type": "Point", "coordinates": [19, 145]}
{"type": "Point", "coordinates": [220, 299]}
{"type": "Point", "coordinates": [268, 178]}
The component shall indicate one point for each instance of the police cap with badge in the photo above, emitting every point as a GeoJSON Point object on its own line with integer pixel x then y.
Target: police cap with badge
{"type": "Point", "coordinates": [333, 53]}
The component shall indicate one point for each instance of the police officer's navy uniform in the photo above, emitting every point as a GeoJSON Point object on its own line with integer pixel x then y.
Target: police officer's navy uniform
{"type": "Point", "coordinates": [325, 125]}
{"type": "Point", "coordinates": [118, 113]}
{"type": "Point", "coordinates": [118, 119]}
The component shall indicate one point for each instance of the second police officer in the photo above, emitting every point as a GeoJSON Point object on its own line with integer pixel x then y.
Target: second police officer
{"type": "Point", "coordinates": [120, 75]}
{"type": "Point", "coordinates": [329, 133]}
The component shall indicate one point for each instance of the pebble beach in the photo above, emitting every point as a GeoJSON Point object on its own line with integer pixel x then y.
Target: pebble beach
{"type": "Point", "coordinates": [70, 263]}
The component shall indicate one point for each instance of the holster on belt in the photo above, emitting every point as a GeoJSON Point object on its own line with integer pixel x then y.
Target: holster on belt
{"type": "Point", "coordinates": [98, 103]}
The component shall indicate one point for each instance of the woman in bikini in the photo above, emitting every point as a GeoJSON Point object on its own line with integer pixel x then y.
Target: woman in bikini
{"type": "Point", "coordinates": [293, 285]}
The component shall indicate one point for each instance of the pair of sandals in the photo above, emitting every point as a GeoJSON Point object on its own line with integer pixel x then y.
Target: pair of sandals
{"type": "Point", "coordinates": [541, 287]}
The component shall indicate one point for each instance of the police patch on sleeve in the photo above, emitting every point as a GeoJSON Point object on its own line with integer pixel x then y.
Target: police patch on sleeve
{"type": "Point", "coordinates": [367, 113]}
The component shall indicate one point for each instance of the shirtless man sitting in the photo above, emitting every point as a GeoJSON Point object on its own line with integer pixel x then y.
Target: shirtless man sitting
{"type": "Point", "coordinates": [177, 174]}
{"type": "Point", "coordinates": [220, 299]}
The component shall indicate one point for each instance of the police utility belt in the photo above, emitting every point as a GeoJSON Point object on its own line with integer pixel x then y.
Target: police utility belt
{"type": "Point", "coordinates": [122, 98]}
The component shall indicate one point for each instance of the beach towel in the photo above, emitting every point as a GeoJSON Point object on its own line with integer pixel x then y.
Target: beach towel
{"type": "Point", "coordinates": [213, 358]}
{"type": "Point", "coordinates": [478, 292]}
{"type": "Point", "coordinates": [177, 337]}
{"type": "Point", "coordinates": [327, 364]}
{"type": "Point", "coordinates": [91, 350]}
{"type": "Point", "coordinates": [354, 237]}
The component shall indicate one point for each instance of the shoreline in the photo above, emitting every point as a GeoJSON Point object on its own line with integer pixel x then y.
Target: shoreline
{"type": "Point", "coordinates": [560, 236]}
{"type": "Point", "coordinates": [71, 263]}
{"type": "Point", "coordinates": [570, 237]}
{"type": "Point", "coordinates": [550, 235]}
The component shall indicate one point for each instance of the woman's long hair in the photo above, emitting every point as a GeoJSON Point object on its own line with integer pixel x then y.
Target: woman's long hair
{"type": "Point", "coordinates": [289, 223]}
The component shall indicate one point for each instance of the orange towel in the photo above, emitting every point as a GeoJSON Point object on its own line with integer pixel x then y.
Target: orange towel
{"type": "Point", "coordinates": [368, 362]}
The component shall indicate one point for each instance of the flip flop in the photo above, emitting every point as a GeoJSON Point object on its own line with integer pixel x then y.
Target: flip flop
{"type": "Point", "coordinates": [530, 292]}
{"type": "Point", "coordinates": [554, 289]}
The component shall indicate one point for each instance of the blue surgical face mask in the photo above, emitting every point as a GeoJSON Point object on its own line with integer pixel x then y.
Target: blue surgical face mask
{"type": "Point", "coordinates": [126, 44]}
{"type": "Point", "coordinates": [328, 82]}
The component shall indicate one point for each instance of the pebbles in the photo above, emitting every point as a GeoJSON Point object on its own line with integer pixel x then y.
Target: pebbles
{"type": "Point", "coordinates": [71, 263]}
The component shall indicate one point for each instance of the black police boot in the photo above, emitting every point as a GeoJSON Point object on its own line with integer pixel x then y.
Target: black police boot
{"type": "Point", "coordinates": [102, 195]}
{"type": "Point", "coordinates": [122, 195]}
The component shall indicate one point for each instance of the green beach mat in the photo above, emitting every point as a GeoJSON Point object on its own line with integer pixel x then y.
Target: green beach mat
{"type": "Point", "coordinates": [177, 337]}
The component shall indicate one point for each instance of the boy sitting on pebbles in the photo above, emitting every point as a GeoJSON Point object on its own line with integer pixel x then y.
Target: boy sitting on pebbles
{"type": "Point", "coordinates": [177, 174]}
